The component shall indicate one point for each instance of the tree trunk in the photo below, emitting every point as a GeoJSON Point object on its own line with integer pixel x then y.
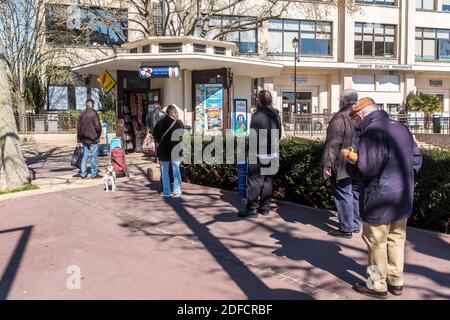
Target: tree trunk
{"type": "Point", "coordinates": [13, 169]}
{"type": "Point", "coordinates": [22, 110]}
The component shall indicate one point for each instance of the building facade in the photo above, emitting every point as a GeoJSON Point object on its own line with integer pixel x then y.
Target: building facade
{"type": "Point", "coordinates": [386, 49]}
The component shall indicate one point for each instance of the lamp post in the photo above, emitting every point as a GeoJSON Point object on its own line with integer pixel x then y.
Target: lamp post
{"type": "Point", "coordinates": [295, 44]}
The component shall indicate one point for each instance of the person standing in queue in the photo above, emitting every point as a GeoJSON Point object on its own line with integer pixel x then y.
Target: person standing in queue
{"type": "Point", "coordinates": [344, 189]}
{"type": "Point", "coordinates": [265, 133]}
{"type": "Point", "coordinates": [163, 136]}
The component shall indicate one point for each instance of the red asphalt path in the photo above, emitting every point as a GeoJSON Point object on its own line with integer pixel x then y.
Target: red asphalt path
{"type": "Point", "coordinates": [133, 244]}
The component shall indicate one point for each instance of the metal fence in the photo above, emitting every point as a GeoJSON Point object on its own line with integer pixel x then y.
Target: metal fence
{"type": "Point", "coordinates": [317, 124]}
{"type": "Point", "coordinates": [296, 124]}
{"type": "Point", "coordinates": [50, 123]}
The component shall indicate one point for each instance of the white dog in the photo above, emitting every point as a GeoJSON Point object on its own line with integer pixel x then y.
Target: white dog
{"type": "Point", "coordinates": [110, 179]}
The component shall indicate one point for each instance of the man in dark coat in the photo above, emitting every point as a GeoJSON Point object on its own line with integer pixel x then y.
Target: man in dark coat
{"type": "Point", "coordinates": [387, 161]}
{"type": "Point", "coordinates": [89, 131]}
{"type": "Point", "coordinates": [154, 116]}
{"type": "Point", "coordinates": [265, 133]}
{"type": "Point", "coordinates": [345, 191]}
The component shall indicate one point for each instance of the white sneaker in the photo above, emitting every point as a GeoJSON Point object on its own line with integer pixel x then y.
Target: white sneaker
{"type": "Point", "coordinates": [176, 195]}
{"type": "Point", "coordinates": [162, 194]}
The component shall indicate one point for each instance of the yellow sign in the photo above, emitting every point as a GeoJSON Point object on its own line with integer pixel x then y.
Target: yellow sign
{"type": "Point", "coordinates": [106, 81]}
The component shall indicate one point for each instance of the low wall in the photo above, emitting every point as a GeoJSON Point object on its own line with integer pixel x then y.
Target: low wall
{"type": "Point", "coordinates": [68, 139]}
{"type": "Point", "coordinates": [438, 140]}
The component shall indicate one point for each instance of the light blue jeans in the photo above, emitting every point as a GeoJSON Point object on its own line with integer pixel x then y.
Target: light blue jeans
{"type": "Point", "coordinates": [166, 177]}
{"type": "Point", "coordinates": [93, 148]}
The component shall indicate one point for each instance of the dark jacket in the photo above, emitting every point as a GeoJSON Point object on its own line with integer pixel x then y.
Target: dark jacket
{"type": "Point", "coordinates": [267, 118]}
{"type": "Point", "coordinates": [388, 159]}
{"type": "Point", "coordinates": [166, 144]}
{"type": "Point", "coordinates": [153, 118]}
{"type": "Point", "coordinates": [339, 135]}
{"type": "Point", "coordinates": [89, 128]}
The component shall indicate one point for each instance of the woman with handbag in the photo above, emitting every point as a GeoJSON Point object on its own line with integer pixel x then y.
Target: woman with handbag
{"type": "Point", "coordinates": [163, 136]}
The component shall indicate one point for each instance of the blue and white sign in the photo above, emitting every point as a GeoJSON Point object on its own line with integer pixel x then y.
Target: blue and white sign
{"type": "Point", "coordinates": [214, 96]}
{"type": "Point", "coordinates": [240, 117]}
{"type": "Point", "coordinates": [159, 72]}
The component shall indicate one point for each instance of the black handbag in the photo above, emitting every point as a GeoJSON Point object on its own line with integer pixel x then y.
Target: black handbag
{"type": "Point", "coordinates": [76, 157]}
{"type": "Point", "coordinates": [103, 150]}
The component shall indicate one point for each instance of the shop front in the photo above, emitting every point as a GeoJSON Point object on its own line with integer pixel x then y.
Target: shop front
{"type": "Point", "coordinates": [206, 87]}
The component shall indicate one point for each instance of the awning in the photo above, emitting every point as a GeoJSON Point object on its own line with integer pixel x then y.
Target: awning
{"type": "Point", "coordinates": [240, 66]}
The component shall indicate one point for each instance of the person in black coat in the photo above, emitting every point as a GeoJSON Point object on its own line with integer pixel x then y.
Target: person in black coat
{"type": "Point", "coordinates": [265, 133]}
{"type": "Point", "coordinates": [345, 191]}
{"type": "Point", "coordinates": [163, 136]}
{"type": "Point", "coordinates": [154, 116]}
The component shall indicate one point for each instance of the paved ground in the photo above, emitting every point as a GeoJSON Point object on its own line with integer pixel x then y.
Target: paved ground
{"type": "Point", "coordinates": [132, 244]}
{"type": "Point", "coordinates": [50, 168]}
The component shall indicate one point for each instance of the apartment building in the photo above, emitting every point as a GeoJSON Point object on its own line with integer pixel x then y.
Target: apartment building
{"type": "Point", "coordinates": [385, 50]}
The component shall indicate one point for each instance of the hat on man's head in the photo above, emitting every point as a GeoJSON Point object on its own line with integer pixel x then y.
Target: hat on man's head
{"type": "Point", "coordinates": [360, 105]}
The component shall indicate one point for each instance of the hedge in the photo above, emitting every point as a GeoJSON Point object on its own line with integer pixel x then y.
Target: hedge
{"type": "Point", "coordinates": [300, 181]}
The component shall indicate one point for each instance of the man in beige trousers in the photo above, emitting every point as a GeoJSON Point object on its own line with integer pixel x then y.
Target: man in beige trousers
{"type": "Point", "coordinates": [387, 161]}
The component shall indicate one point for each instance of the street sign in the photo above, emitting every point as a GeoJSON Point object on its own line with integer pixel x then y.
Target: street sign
{"type": "Point", "coordinates": [106, 81]}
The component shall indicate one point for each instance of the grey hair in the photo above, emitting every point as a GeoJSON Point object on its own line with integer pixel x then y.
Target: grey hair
{"type": "Point", "coordinates": [349, 96]}
{"type": "Point", "coordinates": [368, 110]}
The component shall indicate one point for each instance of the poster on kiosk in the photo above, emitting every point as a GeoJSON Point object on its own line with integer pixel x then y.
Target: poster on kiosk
{"type": "Point", "coordinates": [240, 123]}
{"type": "Point", "coordinates": [209, 108]}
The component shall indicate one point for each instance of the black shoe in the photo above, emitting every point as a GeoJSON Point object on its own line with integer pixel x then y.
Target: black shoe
{"type": "Point", "coordinates": [264, 212]}
{"type": "Point", "coordinates": [361, 287]}
{"type": "Point", "coordinates": [356, 231]}
{"type": "Point", "coordinates": [341, 234]}
{"type": "Point", "coordinates": [395, 290]}
{"type": "Point", "coordinates": [83, 177]}
{"type": "Point", "coordinates": [97, 176]}
{"type": "Point", "coordinates": [247, 214]}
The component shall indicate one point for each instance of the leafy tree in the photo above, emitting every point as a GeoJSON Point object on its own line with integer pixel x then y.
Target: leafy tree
{"type": "Point", "coordinates": [423, 102]}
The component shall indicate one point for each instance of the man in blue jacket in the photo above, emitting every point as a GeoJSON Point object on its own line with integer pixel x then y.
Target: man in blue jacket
{"type": "Point", "coordinates": [387, 161]}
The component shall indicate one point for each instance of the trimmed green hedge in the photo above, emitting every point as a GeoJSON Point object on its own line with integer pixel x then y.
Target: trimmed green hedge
{"type": "Point", "coordinates": [300, 181]}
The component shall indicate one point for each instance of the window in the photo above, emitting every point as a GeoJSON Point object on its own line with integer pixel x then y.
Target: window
{"type": "Point", "coordinates": [245, 38]}
{"type": "Point", "coordinates": [389, 82]}
{"type": "Point", "coordinates": [200, 48]}
{"type": "Point", "coordinates": [378, 2]}
{"type": "Point", "coordinates": [134, 50]}
{"type": "Point", "coordinates": [158, 17]}
{"type": "Point", "coordinates": [425, 4]}
{"type": "Point", "coordinates": [393, 108]}
{"type": "Point", "coordinates": [374, 40]}
{"type": "Point", "coordinates": [314, 36]}
{"type": "Point", "coordinates": [146, 49]}
{"type": "Point", "coordinates": [170, 47]}
{"type": "Point", "coordinates": [432, 44]}
{"type": "Point", "coordinates": [219, 50]}
{"type": "Point", "coordinates": [445, 5]}
{"type": "Point", "coordinates": [58, 97]}
{"type": "Point", "coordinates": [436, 83]}
{"type": "Point", "coordinates": [85, 26]}
{"type": "Point", "coordinates": [364, 82]}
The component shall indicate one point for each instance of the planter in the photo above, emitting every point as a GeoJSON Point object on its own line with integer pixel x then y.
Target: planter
{"type": "Point", "coordinates": [52, 126]}
{"type": "Point", "coordinates": [39, 126]}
